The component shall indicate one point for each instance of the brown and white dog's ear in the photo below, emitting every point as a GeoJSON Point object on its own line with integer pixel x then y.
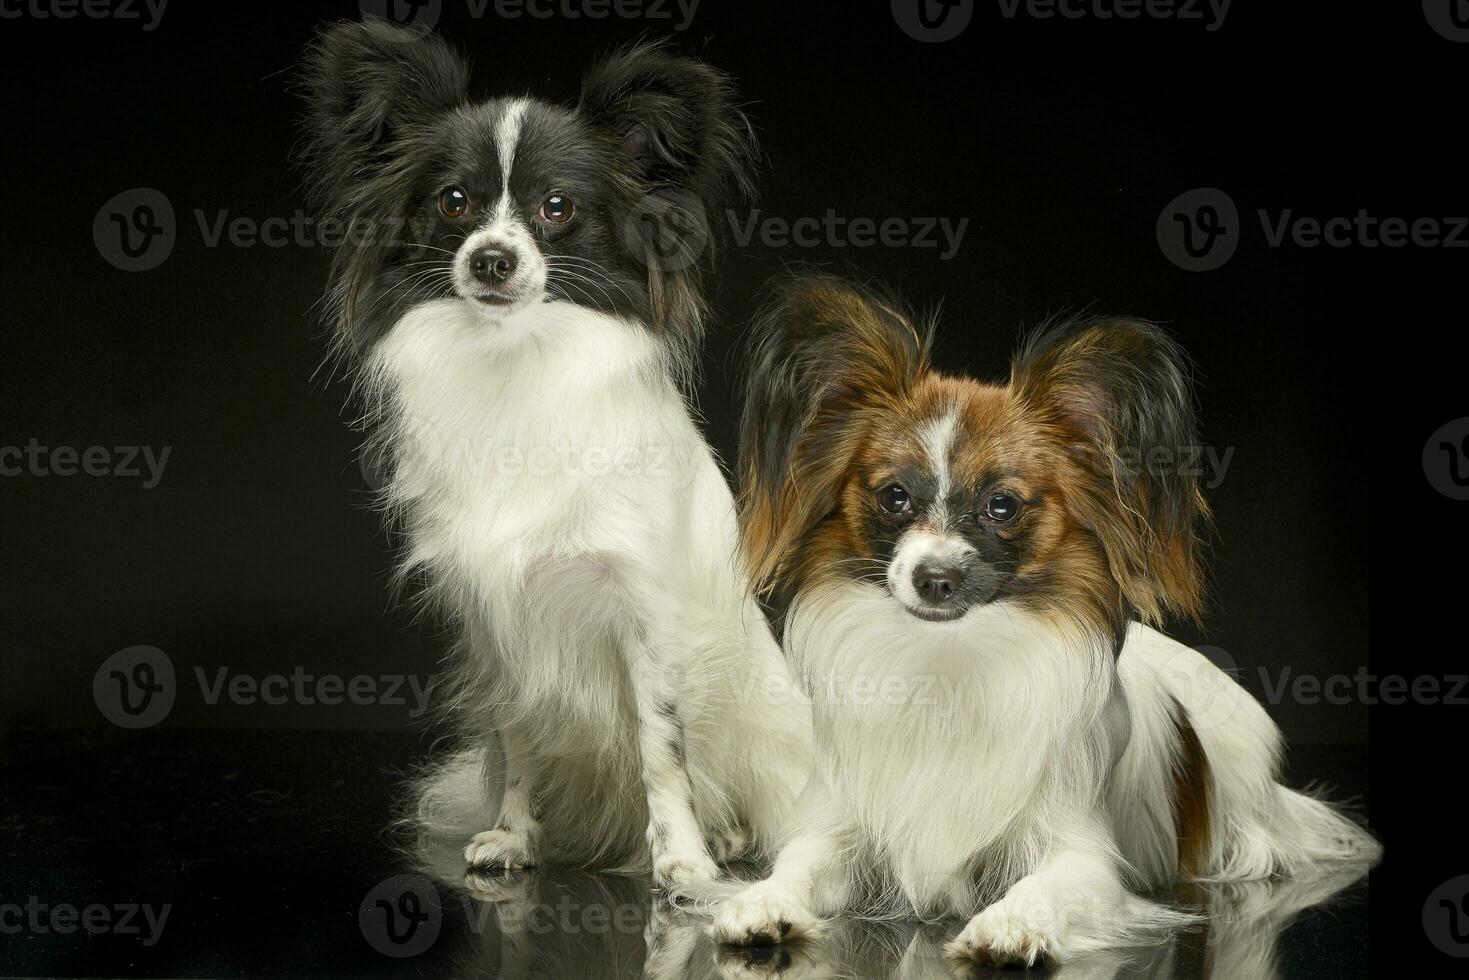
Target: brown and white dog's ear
{"type": "Point", "coordinates": [1116, 395]}
{"type": "Point", "coordinates": [828, 357]}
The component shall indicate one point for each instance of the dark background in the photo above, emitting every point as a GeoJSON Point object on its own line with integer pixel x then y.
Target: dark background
{"type": "Point", "coordinates": [1060, 141]}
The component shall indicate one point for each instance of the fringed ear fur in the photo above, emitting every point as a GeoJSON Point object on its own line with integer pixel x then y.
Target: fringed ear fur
{"type": "Point", "coordinates": [362, 82]}
{"type": "Point", "coordinates": [1117, 395]}
{"type": "Point", "coordinates": [685, 152]}
{"type": "Point", "coordinates": [827, 354]}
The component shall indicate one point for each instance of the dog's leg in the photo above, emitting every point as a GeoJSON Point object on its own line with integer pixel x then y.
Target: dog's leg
{"type": "Point", "coordinates": [808, 881]}
{"type": "Point", "coordinates": [515, 841]}
{"type": "Point", "coordinates": [676, 843]}
{"type": "Point", "coordinates": [1075, 903]}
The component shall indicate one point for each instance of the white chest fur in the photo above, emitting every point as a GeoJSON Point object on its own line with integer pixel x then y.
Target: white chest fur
{"type": "Point", "coordinates": [945, 745]}
{"type": "Point", "coordinates": [521, 444]}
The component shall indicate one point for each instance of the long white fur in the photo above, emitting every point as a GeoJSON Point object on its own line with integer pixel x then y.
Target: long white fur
{"type": "Point", "coordinates": [560, 502]}
{"type": "Point", "coordinates": [1037, 795]}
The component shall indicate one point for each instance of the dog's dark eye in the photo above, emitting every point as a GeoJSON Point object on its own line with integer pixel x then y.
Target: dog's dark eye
{"type": "Point", "coordinates": [1002, 508]}
{"type": "Point", "coordinates": [454, 203]}
{"type": "Point", "coordinates": [557, 208]}
{"type": "Point", "coordinates": [894, 499]}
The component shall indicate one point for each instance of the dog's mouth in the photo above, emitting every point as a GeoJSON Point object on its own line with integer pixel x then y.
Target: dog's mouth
{"type": "Point", "coordinates": [495, 299]}
{"type": "Point", "coordinates": [937, 614]}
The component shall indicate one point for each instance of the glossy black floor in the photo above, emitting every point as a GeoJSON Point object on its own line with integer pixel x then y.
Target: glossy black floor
{"type": "Point", "coordinates": [247, 854]}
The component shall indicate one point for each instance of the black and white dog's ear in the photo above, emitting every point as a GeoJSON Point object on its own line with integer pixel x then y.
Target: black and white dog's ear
{"type": "Point", "coordinates": [675, 120]}
{"type": "Point", "coordinates": [828, 357]}
{"type": "Point", "coordinates": [363, 83]}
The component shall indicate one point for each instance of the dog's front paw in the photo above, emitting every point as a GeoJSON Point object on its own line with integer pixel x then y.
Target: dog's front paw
{"type": "Point", "coordinates": [506, 850]}
{"type": "Point", "coordinates": [763, 915]}
{"type": "Point", "coordinates": [1009, 934]}
{"type": "Point", "coordinates": [497, 885]}
{"type": "Point", "coordinates": [672, 869]}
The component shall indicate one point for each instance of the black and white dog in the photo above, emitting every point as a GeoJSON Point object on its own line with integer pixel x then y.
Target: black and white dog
{"type": "Point", "coordinates": [522, 325]}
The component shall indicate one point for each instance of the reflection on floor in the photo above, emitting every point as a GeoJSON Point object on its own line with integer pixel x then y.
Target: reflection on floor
{"type": "Point", "coordinates": [267, 853]}
{"type": "Point", "coordinates": [558, 924]}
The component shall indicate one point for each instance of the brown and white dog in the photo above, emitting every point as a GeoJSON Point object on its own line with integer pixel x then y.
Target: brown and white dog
{"type": "Point", "coordinates": [966, 575]}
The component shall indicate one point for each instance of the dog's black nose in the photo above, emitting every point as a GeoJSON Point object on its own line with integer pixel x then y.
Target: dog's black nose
{"type": "Point", "coordinates": [936, 583]}
{"type": "Point", "coordinates": [492, 266]}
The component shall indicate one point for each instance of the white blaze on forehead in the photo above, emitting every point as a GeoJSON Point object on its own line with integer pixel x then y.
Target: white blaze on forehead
{"type": "Point", "coordinates": [507, 135]}
{"type": "Point", "coordinates": [937, 437]}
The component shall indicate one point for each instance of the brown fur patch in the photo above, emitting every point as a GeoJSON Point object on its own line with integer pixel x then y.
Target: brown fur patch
{"type": "Point", "coordinates": [1191, 781]}
{"type": "Point", "coordinates": [858, 355]}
